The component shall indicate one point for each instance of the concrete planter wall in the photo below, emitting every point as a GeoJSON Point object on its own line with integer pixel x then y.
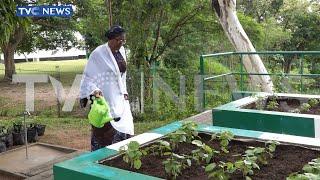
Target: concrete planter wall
{"type": "Point", "coordinates": [86, 166]}
{"type": "Point", "coordinates": [232, 115]}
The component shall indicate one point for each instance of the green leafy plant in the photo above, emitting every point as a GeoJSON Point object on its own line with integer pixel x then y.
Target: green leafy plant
{"type": "Point", "coordinates": [271, 147]}
{"type": "Point", "coordinates": [273, 104]}
{"type": "Point", "coordinates": [225, 137]}
{"type": "Point", "coordinates": [160, 148]}
{"type": "Point", "coordinates": [310, 171]}
{"type": "Point", "coordinates": [246, 165]}
{"type": "Point", "coordinates": [203, 153]}
{"type": "Point", "coordinates": [220, 171]}
{"type": "Point", "coordinates": [258, 152]}
{"type": "Point", "coordinates": [305, 107]}
{"type": "Point", "coordinates": [175, 164]}
{"type": "Point", "coordinates": [186, 133]}
{"type": "Point", "coordinates": [313, 102]}
{"type": "Point", "coordinates": [132, 154]}
{"type": "Point", "coordinates": [190, 128]}
{"type": "Point", "coordinates": [177, 137]}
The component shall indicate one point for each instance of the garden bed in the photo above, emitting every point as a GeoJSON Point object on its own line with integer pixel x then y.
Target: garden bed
{"type": "Point", "coordinates": [287, 104]}
{"type": "Point", "coordinates": [166, 153]}
{"type": "Point", "coordinates": [293, 114]}
{"type": "Point", "coordinates": [287, 159]}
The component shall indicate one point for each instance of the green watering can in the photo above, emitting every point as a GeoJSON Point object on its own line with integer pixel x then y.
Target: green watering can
{"type": "Point", "coordinates": [99, 112]}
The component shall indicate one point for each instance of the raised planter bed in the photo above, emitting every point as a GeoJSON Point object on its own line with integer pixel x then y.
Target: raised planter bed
{"type": "Point", "coordinates": [97, 165]}
{"type": "Point", "coordinates": [244, 114]}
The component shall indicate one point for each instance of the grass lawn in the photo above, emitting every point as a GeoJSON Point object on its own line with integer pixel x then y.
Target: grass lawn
{"type": "Point", "coordinates": [75, 66]}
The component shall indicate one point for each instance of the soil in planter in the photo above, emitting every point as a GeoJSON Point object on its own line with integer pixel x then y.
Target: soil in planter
{"type": "Point", "coordinates": [287, 159]}
{"type": "Point", "coordinates": [286, 104]}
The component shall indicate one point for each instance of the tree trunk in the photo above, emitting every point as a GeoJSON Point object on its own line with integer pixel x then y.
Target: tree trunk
{"type": "Point", "coordinates": [226, 11]}
{"type": "Point", "coordinates": [287, 64]}
{"type": "Point", "coordinates": [8, 53]}
{"type": "Point", "coordinates": [108, 4]}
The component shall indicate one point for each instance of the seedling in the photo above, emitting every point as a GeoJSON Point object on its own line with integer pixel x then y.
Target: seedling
{"type": "Point", "coordinates": [215, 171]}
{"type": "Point", "coordinates": [313, 102]}
{"type": "Point", "coordinates": [132, 154]}
{"type": "Point", "coordinates": [175, 164]}
{"type": "Point", "coordinates": [190, 128]}
{"type": "Point", "coordinates": [159, 148]}
{"type": "Point", "coordinates": [258, 152]}
{"type": "Point", "coordinates": [225, 137]}
{"type": "Point", "coordinates": [271, 147]}
{"type": "Point", "coordinates": [177, 137]}
{"type": "Point", "coordinates": [246, 165]}
{"type": "Point", "coordinates": [310, 171]}
{"type": "Point", "coordinates": [186, 133]}
{"type": "Point", "coordinates": [273, 104]}
{"type": "Point", "coordinates": [203, 153]}
{"type": "Point", "coordinates": [305, 107]}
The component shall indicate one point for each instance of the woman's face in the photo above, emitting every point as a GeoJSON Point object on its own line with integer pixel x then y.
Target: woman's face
{"type": "Point", "coordinates": [118, 41]}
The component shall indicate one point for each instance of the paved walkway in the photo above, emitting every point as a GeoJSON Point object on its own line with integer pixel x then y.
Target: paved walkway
{"type": "Point", "coordinates": [204, 117]}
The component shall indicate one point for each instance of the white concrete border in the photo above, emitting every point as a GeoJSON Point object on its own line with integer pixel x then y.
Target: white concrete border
{"type": "Point", "coordinates": [317, 127]}
{"type": "Point", "coordinates": [141, 139]}
{"type": "Point", "coordinates": [300, 140]}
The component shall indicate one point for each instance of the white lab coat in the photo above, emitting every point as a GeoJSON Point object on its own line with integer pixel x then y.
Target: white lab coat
{"type": "Point", "coordinates": [102, 73]}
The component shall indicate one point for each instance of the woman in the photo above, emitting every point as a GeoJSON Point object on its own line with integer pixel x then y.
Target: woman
{"type": "Point", "coordinates": [105, 75]}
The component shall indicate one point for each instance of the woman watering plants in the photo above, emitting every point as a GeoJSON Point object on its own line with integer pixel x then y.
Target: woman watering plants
{"type": "Point", "coordinates": [105, 76]}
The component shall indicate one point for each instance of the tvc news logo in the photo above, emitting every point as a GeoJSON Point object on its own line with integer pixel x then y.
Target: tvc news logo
{"type": "Point", "coordinates": [44, 11]}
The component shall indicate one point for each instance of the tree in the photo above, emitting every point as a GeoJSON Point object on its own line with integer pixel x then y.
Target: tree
{"type": "Point", "coordinates": [94, 22]}
{"type": "Point", "coordinates": [28, 34]}
{"type": "Point", "coordinates": [226, 12]}
{"type": "Point", "coordinates": [156, 27]}
{"type": "Point", "coordinates": [302, 19]}
{"type": "Point", "coordinates": [12, 31]}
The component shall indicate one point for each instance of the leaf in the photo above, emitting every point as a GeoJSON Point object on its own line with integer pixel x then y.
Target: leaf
{"type": "Point", "coordinates": [189, 162]}
{"type": "Point", "coordinates": [210, 167]}
{"type": "Point", "coordinates": [224, 143]}
{"type": "Point", "coordinates": [307, 168]}
{"type": "Point", "coordinates": [177, 156]}
{"type": "Point", "coordinates": [239, 164]}
{"type": "Point", "coordinates": [246, 162]}
{"type": "Point", "coordinates": [126, 159]}
{"type": "Point", "coordinates": [131, 154]}
{"type": "Point", "coordinates": [137, 164]}
{"type": "Point", "coordinates": [144, 152]}
{"type": "Point", "coordinates": [255, 165]}
{"type": "Point", "coordinates": [248, 178]}
{"type": "Point", "coordinates": [207, 148]}
{"type": "Point", "coordinates": [250, 172]}
{"type": "Point", "coordinates": [197, 143]}
{"type": "Point", "coordinates": [165, 143]}
{"type": "Point", "coordinates": [133, 145]}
